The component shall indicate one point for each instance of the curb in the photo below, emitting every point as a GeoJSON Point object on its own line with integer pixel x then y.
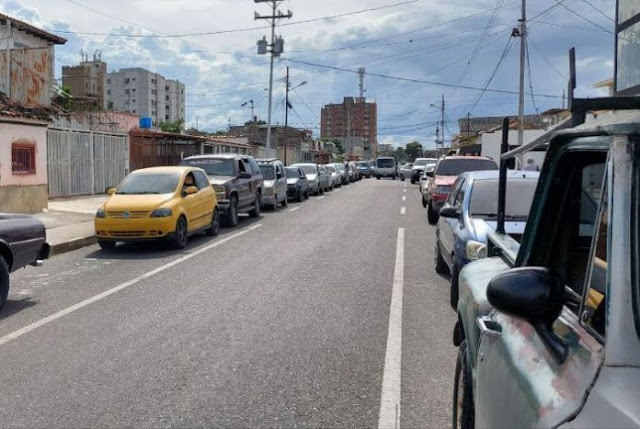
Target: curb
{"type": "Point", "coordinates": [71, 245]}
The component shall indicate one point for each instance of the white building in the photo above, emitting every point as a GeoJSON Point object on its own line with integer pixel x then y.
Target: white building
{"type": "Point", "coordinates": [147, 94]}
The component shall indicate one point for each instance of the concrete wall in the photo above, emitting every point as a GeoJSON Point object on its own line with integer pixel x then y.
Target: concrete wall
{"type": "Point", "coordinates": [25, 193]}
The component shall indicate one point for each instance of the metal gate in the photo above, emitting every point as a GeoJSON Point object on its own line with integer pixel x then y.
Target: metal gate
{"type": "Point", "coordinates": [85, 162]}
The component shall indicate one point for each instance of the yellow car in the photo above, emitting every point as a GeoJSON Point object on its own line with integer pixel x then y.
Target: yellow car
{"type": "Point", "coordinates": [159, 203]}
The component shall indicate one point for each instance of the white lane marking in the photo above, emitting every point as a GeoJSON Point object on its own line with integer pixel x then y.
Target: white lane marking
{"type": "Point", "coordinates": [404, 198]}
{"type": "Point", "coordinates": [42, 322]}
{"type": "Point", "coordinates": [389, 417]}
{"type": "Point", "coordinates": [294, 209]}
{"type": "Point", "coordinates": [404, 190]}
{"type": "Point", "coordinates": [403, 210]}
{"type": "Point", "coordinates": [319, 198]}
{"type": "Point", "coordinates": [337, 190]}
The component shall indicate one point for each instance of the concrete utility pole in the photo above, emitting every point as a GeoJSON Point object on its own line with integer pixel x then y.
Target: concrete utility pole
{"type": "Point", "coordinates": [277, 47]}
{"type": "Point", "coordinates": [523, 47]}
{"type": "Point", "coordinates": [286, 117]}
{"type": "Point", "coordinates": [442, 124]}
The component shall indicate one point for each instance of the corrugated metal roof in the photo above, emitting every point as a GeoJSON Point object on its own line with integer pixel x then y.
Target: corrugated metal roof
{"type": "Point", "coordinates": [28, 28]}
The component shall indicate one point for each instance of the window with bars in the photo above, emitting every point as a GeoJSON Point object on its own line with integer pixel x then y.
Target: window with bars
{"type": "Point", "coordinates": [23, 159]}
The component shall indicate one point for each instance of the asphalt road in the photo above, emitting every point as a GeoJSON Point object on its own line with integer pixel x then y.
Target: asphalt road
{"type": "Point", "coordinates": [283, 321]}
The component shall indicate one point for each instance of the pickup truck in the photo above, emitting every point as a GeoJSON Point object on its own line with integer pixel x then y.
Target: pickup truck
{"type": "Point", "coordinates": [548, 335]}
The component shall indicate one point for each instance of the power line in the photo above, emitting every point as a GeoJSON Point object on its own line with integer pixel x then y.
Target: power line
{"type": "Point", "coordinates": [559, 2]}
{"type": "Point", "coordinates": [211, 33]}
{"type": "Point", "coordinates": [599, 10]}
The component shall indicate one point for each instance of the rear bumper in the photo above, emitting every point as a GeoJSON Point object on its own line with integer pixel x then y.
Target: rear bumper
{"type": "Point", "coordinates": [44, 252]}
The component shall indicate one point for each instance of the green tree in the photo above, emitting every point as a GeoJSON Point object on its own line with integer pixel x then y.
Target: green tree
{"type": "Point", "coordinates": [413, 150]}
{"type": "Point", "coordinates": [400, 154]}
{"type": "Point", "coordinates": [171, 127]}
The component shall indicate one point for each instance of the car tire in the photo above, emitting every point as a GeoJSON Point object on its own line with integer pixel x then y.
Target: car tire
{"type": "Point", "coordinates": [320, 191]}
{"type": "Point", "coordinates": [300, 196]}
{"type": "Point", "coordinates": [432, 216]}
{"type": "Point", "coordinates": [231, 218]}
{"type": "Point", "coordinates": [453, 287]}
{"type": "Point", "coordinates": [438, 261]}
{"type": "Point", "coordinates": [463, 408]}
{"type": "Point", "coordinates": [393, 177]}
{"type": "Point", "coordinates": [402, 177]}
{"type": "Point", "coordinates": [180, 236]}
{"type": "Point", "coordinates": [306, 194]}
{"type": "Point", "coordinates": [4, 281]}
{"type": "Point", "coordinates": [424, 202]}
{"type": "Point", "coordinates": [106, 244]}
{"type": "Point", "coordinates": [413, 181]}
{"type": "Point", "coordinates": [214, 228]}
{"type": "Point", "coordinates": [274, 207]}
{"type": "Point", "coordinates": [285, 202]}
{"type": "Point", "coordinates": [257, 208]}
{"type": "Point", "coordinates": [377, 177]}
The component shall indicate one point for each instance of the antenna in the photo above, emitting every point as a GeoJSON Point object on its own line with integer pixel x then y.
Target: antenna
{"type": "Point", "coordinates": [361, 72]}
{"type": "Point", "coordinates": [81, 55]}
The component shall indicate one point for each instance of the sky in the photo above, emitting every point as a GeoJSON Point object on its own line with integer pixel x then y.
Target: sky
{"type": "Point", "coordinates": [414, 52]}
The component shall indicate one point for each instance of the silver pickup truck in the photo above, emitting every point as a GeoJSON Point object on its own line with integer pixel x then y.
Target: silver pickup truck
{"type": "Point", "coordinates": [549, 330]}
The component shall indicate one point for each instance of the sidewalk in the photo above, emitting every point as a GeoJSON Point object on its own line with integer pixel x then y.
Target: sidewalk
{"type": "Point", "coordinates": [69, 222]}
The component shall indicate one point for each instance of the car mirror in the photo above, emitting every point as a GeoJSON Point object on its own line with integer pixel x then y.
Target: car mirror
{"type": "Point", "coordinates": [190, 190]}
{"type": "Point", "coordinates": [450, 212]}
{"type": "Point", "coordinates": [244, 176]}
{"type": "Point", "coordinates": [279, 176]}
{"type": "Point", "coordinates": [429, 174]}
{"type": "Point", "coordinates": [111, 191]}
{"type": "Point", "coordinates": [533, 294]}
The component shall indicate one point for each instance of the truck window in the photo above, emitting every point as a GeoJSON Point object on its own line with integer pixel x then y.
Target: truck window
{"type": "Point", "coordinates": [594, 302]}
{"type": "Point", "coordinates": [568, 223]}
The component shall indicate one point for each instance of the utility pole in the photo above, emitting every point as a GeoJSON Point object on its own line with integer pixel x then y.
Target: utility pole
{"type": "Point", "coordinates": [250, 103]}
{"type": "Point", "coordinates": [277, 47]}
{"type": "Point", "coordinates": [286, 117]}
{"type": "Point", "coordinates": [442, 124]}
{"type": "Point", "coordinates": [522, 33]}
{"type": "Point", "coordinates": [468, 124]}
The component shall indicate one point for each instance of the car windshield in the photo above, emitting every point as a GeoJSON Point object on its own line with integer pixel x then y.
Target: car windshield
{"type": "Point", "coordinates": [454, 167]}
{"type": "Point", "coordinates": [331, 168]}
{"type": "Point", "coordinates": [420, 162]}
{"type": "Point", "coordinates": [339, 167]}
{"type": "Point", "coordinates": [213, 167]}
{"type": "Point", "coordinates": [146, 183]}
{"type": "Point", "coordinates": [267, 171]}
{"type": "Point", "coordinates": [308, 169]}
{"type": "Point", "coordinates": [385, 163]}
{"type": "Point", "coordinates": [484, 198]}
{"type": "Point", "coordinates": [292, 173]}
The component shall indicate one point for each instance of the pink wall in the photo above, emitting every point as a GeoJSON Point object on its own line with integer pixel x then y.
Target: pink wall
{"type": "Point", "coordinates": [22, 133]}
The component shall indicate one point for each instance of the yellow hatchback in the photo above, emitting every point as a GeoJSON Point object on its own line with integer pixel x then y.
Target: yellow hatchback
{"type": "Point", "coordinates": [169, 203]}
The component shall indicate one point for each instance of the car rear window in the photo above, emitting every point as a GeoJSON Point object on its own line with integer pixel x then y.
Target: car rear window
{"type": "Point", "coordinates": [386, 163]}
{"type": "Point", "coordinates": [212, 166]}
{"type": "Point", "coordinates": [484, 198]}
{"type": "Point", "coordinates": [267, 171]}
{"type": "Point", "coordinates": [454, 167]}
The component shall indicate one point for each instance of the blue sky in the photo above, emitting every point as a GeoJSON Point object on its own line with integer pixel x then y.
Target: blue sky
{"type": "Point", "coordinates": [457, 43]}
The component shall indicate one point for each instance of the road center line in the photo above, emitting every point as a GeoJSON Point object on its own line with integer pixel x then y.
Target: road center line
{"type": "Point", "coordinates": [294, 209]}
{"type": "Point", "coordinates": [42, 322]}
{"type": "Point", "coordinates": [404, 198]}
{"type": "Point", "coordinates": [403, 210]}
{"type": "Point", "coordinates": [319, 198]}
{"type": "Point", "coordinates": [389, 417]}
{"type": "Point", "coordinates": [404, 190]}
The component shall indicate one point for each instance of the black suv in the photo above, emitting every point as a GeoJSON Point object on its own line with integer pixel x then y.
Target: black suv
{"type": "Point", "coordinates": [237, 181]}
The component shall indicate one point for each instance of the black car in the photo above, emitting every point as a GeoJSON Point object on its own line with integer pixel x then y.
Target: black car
{"type": "Point", "coordinates": [23, 241]}
{"type": "Point", "coordinates": [297, 184]}
{"type": "Point", "coordinates": [237, 180]}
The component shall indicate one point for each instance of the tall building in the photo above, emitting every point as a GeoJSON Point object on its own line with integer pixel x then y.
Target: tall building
{"type": "Point", "coordinates": [354, 122]}
{"type": "Point", "coordinates": [146, 94]}
{"type": "Point", "coordinates": [86, 82]}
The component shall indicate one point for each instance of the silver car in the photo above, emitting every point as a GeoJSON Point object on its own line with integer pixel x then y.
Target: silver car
{"type": "Point", "coordinates": [274, 191]}
{"type": "Point", "coordinates": [317, 182]}
{"type": "Point", "coordinates": [336, 176]}
{"type": "Point", "coordinates": [405, 171]}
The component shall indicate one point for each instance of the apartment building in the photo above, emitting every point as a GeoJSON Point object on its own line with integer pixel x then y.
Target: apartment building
{"type": "Point", "coordinates": [354, 122]}
{"type": "Point", "coordinates": [86, 82]}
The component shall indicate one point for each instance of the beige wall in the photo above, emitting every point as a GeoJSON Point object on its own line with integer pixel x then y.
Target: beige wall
{"type": "Point", "coordinates": [25, 193]}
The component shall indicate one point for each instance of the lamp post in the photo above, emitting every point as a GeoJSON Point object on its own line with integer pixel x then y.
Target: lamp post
{"type": "Point", "coordinates": [286, 113]}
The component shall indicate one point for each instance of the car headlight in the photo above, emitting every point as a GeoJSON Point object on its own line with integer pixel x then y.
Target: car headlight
{"type": "Point", "coordinates": [268, 191]}
{"type": "Point", "coordinates": [162, 213]}
{"type": "Point", "coordinates": [476, 250]}
{"type": "Point", "coordinates": [218, 189]}
{"type": "Point", "coordinates": [441, 190]}
{"type": "Point", "coordinates": [101, 214]}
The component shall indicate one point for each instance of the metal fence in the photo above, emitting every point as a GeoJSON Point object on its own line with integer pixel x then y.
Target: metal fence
{"type": "Point", "coordinates": [85, 163]}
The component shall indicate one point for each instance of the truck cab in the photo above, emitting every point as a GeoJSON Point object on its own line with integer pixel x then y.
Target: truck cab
{"type": "Point", "coordinates": [549, 330]}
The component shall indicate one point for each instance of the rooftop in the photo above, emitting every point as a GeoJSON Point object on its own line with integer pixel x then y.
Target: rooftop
{"type": "Point", "coordinates": [30, 29]}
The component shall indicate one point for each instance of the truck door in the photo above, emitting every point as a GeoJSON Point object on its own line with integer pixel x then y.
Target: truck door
{"type": "Point", "coordinates": [448, 226]}
{"type": "Point", "coordinates": [522, 383]}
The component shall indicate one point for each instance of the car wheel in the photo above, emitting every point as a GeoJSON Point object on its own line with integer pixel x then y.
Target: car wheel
{"type": "Point", "coordinates": [463, 408]}
{"type": "Point", "coordinates": [181, 234]}
{"type": "Point", "coordinates": [432, 216]}
{"type": "Point", "coordinates": [320, 191]}
{"type": "Point", "coordinates": [231, 219]}
{"type": "Point", "coordinates": [393, 177]}
{"type": "Point", "coordinates": [402, 177]}
{"type": "Point", "coordinates": [424, 202]}
{"type": "Point", "coordinates": [300, 196]}
{"type": "Point", "coordinates": [107, 245]}
{"type": "Point", "coordinates": [412, 181]}
{"type": "Point", "coordinates": [454, 291]}
{"type": "Point", "coordinates": [215, 223]}
{"type": "Point", "coordinates": [378, 177]}
{"type": "Point", "coordinates": [438, 261]}
{"type": "Point", "coordinates": [257, 208]}
{"type": "Point", "coordinates": [4, 281]}
{"type": "Point", "coordinates": [306, 194]}
{"type": "Point", "coordinates": [275, 203]}
{"type": "Point", "coordinates": [285, 202]}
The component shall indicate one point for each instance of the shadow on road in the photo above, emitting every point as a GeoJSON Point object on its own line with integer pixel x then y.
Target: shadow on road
{"type": "Point", "coordinates": [158, 249]}
{"type": "Point", "coordinates": [12, 307]}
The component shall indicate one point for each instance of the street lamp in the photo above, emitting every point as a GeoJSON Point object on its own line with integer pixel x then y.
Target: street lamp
{"type": "Point", "coordinates": [286, 113]}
